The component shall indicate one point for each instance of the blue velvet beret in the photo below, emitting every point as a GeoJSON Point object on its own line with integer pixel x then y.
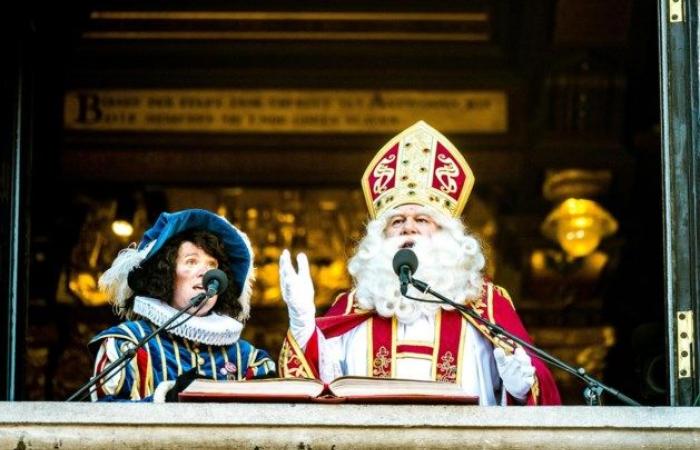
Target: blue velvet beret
{"type": "Point", "coordinates": [234, 241]}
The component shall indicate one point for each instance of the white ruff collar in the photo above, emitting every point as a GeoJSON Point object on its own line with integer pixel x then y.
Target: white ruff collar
{"type": "Point", "coordinates": [212, 329]}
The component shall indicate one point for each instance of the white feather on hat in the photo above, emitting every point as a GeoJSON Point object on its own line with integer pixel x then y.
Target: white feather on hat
{"type": "Point", "coordinates": [114, 282]}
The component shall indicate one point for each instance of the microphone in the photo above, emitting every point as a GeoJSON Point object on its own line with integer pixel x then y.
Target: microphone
{"type": "Point", "coordinates": [215, 282]}
{"type": "Point", "coordinates": [405, 264]}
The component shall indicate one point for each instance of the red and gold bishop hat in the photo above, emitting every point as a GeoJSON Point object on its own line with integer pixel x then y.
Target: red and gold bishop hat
{"type": "Point", "coordinates": [418, 166]}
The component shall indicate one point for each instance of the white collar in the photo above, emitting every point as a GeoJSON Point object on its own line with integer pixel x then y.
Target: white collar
{"type": "Point", "coordinates": [212, 329]}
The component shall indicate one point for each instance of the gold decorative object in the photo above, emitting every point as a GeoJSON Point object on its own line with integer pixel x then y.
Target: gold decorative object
{"type": "Point", "coordinates": [578, 225]}
{"type": "Point", "coordinates": [84, 285]}
{"type": "Point", "coordinates": [551, 265]}
{"type": "Point", "coordinates": [122, 228]}
{"type": "Point", "coordinates": [125, 209]}
{"type": "Point", "coordinates": [106, 230]}
{"type": "Point", "coordinates": [419, 165]}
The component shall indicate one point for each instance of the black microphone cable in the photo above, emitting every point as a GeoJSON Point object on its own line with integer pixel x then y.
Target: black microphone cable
{"type": "Point", "coordinates": [111, 373]}
{"type": "Point", "coordinates": [116, 366]}
{"type": "Point", "coordinates": [189, 315]}
{"type": "Point", "coordinates": [499, 332]}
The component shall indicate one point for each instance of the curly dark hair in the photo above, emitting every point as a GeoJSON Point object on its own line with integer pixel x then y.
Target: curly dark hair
{"type": "Point", "coordinates": [156, 277]}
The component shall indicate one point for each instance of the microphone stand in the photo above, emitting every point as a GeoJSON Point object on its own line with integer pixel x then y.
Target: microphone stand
{"type": "Point", "coordinates": [591, 393]}
{"type": "Point", "coordinates": [131, 350]}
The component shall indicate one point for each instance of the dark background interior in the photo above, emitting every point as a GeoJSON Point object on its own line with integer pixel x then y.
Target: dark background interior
{"type": "Point", "coordinates": [582, 84]}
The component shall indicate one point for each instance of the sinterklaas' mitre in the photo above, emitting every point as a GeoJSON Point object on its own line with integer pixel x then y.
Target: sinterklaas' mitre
{"type": "Point", "coordinates": [418, 166]}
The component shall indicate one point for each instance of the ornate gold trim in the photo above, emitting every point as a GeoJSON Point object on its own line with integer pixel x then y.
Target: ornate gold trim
{"type": "Point", "coordinates": [394, 324]}
{"type": "Point", "coordinates": [194, 357]}
{"type": "Point", "coordinates": [436, 344]}
{"type": "Point", "coordinates": [421, 343]}
{"type": "Point", "coordinates": [351, 302]}
{"type": "Point", "coordinates": [413, 185]}
{"type": "Point", "coordinates": [411, 355]}
{"type": "Point", "coordinates": [164, 366]}
{"type": "Point", "coordinates": [380, 361]}
{"type": "Point", "coordinates": [460, 350]}
{"type": "Point", "coordinates": [504, 293]}
{"type": "Point", "coordinates": [239, 372]}
{"type": "Point", "coordinates": [298, 354]}
{"type": "Point", "coordinates": [370, 346]}
{"type": "Point", "coordinates": [449, 365]}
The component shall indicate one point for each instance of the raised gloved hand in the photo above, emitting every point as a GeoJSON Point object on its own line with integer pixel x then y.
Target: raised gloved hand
{"type": "Point", "coordinates": [298, 293]}
{"type": "Point", "coordinates": [516, 371]}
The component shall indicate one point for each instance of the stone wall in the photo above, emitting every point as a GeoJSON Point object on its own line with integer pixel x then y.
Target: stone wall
{"type": "Point", "coordinates": [53, 425]}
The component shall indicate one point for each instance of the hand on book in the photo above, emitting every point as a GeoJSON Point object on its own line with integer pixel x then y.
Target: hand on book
{"type": "Point", "coordinates": [516, 371]}
{"type": "Point", "coordinates": [298, 293]}
{"type": "Point", "coordinates": [181, 382]}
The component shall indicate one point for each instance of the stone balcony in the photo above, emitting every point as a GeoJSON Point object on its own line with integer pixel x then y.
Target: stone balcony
{"type": "Point", "coordinates": [54, 425]}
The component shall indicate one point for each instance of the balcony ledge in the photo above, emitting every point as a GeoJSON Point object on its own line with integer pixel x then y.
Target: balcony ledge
{"type": "Point", "coordinates": [38, 425]}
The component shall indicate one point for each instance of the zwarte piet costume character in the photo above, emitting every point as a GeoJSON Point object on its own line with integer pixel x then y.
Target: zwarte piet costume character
{"type": "Point", "coordinates": [147, 284]}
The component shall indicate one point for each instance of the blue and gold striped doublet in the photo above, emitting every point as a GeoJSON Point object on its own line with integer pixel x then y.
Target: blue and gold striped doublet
{"type": "Point", "coordinates": [165, 356]}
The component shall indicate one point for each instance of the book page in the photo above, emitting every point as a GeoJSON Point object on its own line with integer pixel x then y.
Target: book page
{"type": "Point", "coordinates": [372, 387]}
{"type": "Point", "coordinates": [344, 389]}
{"type": "Point", "coordinates": [283, 387]}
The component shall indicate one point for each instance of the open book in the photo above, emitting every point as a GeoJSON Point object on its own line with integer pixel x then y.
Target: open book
{"type": "Point", "coordinates": [343, 389]}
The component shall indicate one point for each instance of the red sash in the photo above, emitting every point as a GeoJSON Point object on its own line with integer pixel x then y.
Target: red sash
{"type": "Point", "coordinates": [446, 351]}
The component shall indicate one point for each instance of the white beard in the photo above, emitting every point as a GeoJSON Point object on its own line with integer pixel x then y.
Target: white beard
{"type": "Point", "coordinates": [450, 265]}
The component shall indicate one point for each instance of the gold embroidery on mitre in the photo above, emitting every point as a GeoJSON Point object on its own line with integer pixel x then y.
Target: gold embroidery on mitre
{"type": "Point", "coordinates": [446, 174]}
{"type": "Point", "coordinates": [383, 174]}
{"type": "Point", "coordinates": [427, 169]}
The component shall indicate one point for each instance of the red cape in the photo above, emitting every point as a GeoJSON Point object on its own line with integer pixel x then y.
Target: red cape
{"type": "Point", "coordinates": [495, 306]}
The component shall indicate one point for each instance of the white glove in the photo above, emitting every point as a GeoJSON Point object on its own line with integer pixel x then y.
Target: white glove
{"type": "Point", "coordinates": [516, 371]}
{"type": "Point", "coordinates": [298, 293]}
{"type": "Point", "coordinates": [162, 390]}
